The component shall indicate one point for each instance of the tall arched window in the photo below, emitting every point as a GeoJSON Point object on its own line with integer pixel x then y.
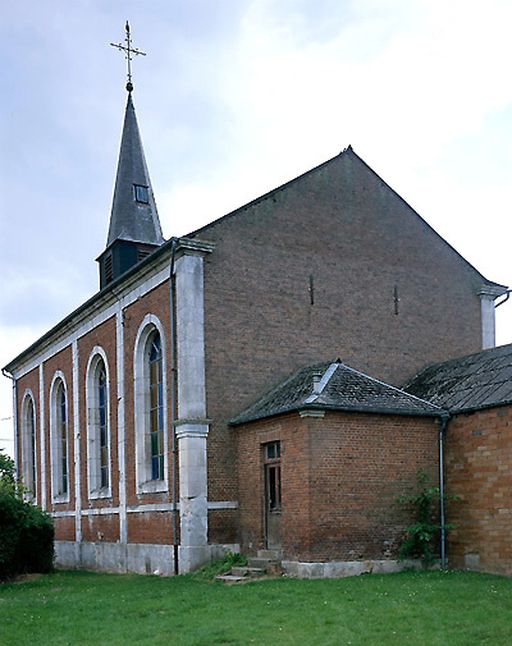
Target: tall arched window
{"type": "Point", "coordinates": [102, 423]}
{"type": "Point", "coordinates": [150, 407]}
{"type": "Point", "coordinates": [156, 406]}
{"type": "Point", "coordinates": [59, 438]}
{"type": "Point", "coordinates": [29, 458]}
{"type": "Point", "coordinates": [98, 425]}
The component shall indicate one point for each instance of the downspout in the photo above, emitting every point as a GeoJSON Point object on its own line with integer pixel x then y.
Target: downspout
{"type": "Point", "coordinates": [14, 417]}
{"type": "Point", "coordinates": [173, 409]}
{"type": "Point", "coordinates": [442, 430]}
{"type": "Point", "coordinates": [506, 295]}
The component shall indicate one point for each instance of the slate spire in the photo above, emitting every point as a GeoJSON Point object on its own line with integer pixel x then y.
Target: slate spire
{"type": "Point", "coordinates": [134, 230]}
{"type": "Point", "coordinates": [134, 216]}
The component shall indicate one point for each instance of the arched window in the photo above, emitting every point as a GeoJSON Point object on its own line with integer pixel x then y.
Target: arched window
{"type": "Point", "coordinates": [59, 438]}
{"type": "Point", "coordinates": [98, 425]}
{"type": "Point", "coordinates": [101, 385]}
{"type": "Point", "coordinates": [156, 406]}
{"type": "Point", "coordinates": [29, 458]}
{"type": "Point", "coordinates": [150, 407]}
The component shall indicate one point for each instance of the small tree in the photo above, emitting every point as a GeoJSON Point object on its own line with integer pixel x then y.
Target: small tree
{"type": "Point", "coordinates": [7, 472]}
{"type": "Point", "coordinates": [26, 532]}
{"type": "Point", "coordinates": [422, 537]}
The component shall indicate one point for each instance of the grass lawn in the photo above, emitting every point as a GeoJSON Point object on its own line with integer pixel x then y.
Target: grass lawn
{"type": "Point", "coordinates": [407, 608]}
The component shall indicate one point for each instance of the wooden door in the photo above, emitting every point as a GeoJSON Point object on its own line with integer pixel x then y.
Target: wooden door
{"type": "Point", "coordinates": [272, 475]}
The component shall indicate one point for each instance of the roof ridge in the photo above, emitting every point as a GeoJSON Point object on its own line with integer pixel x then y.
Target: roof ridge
{"type": "Point", "coordinates": [471, 266]}
{"type": "Point", "coordinates": [447, 362]}
{"type": "Point", "coordinates": [399, 390]}
{"type": "Point", "coordinates": [326, 377]}
{"type": "Point", "coordinates": [269, 194]}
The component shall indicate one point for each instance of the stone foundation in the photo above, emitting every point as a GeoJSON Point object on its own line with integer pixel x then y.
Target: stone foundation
{"type": "Point", "coordinates": [138, 558]}
{"type": "Point", "coordinates": [339, 569]}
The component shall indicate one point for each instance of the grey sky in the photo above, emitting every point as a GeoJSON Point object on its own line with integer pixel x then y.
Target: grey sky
{"type": "Point", "coordinates": [234, 98]}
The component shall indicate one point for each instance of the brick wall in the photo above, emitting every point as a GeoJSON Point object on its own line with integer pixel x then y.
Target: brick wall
{"type": "Point", "coordinates": [344, 227]}
{"type": "Point", "coordinates": [340, 225]}
{"type": "Point", "coordinates": [479, 471]}
{"type": "Point", "coordinates": [61, 361]}
{"type": "Point", "coordinates": [104, 336]}
{"type": "Point", "coordinates": [341, 475]}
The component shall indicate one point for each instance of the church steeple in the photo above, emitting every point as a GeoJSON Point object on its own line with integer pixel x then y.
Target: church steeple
{"type": "Point", "coordinates": [134, 215]}
{"type": "Point", "coordinates": [134, 230]}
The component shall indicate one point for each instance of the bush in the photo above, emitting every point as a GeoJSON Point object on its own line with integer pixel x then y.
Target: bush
{"type": "Point", "coordinates": [221, 566]}
{"type": "Point", "coordinates": [422, 537]}
{"type": "Point", "coordinates": [26, 532]}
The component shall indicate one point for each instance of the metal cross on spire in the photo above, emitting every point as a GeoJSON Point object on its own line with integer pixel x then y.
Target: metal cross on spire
{"type": "Point", "coordinates": [129, 52]}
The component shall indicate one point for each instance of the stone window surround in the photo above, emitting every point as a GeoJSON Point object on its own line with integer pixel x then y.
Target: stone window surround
{"type": "Point", "coordinates": [94, 489]}
{"type": "Point", "coordinates": [54, 444]}
{"type": "Point", "coordinates": [28, 455]}
{"type": "Point", "coordinates": [144, 483]}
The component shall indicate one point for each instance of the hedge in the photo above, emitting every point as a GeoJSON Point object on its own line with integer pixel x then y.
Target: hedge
{"type": "Point", "coordinates": [26, 532]}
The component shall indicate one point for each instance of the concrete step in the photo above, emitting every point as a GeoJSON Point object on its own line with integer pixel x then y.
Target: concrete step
{"type": "Point", "coordinates": [247, 571]}
{"type": "Point", "coordinates": [273, 555]}
{"type": "Point", "coordinates": [230, 578]}
{"type": "Point", "coordinates": [256, 562]}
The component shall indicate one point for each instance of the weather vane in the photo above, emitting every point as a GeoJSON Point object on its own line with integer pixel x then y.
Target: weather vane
{"type": "Point", "coordinates": [129, 51]}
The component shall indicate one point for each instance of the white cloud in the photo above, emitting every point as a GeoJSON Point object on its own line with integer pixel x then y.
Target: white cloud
{"type": "Point", "coordinates": [235, 98]}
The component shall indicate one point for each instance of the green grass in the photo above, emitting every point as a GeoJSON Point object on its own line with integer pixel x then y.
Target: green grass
{"type": "Point", "coordinates": [424, 608]}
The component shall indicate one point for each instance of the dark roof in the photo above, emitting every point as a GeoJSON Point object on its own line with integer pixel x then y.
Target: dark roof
{"type": "Point", "coordinates": [131, 220]}
{"type": "Point", "coordinates": [337, 387]}
{"type": "Point", "coordinates": [476, 381]}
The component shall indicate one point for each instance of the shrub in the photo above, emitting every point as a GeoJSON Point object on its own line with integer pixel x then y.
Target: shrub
{"type": "Point", "coordinates": [26, 532]}
{"type": "Point", "coordinates": [222, 566]}
{"type": "Point", "coordinates": [422, 537]}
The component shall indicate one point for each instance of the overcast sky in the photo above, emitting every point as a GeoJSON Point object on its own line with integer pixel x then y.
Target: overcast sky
{"type": "Point", "coordinates": [234, 98]}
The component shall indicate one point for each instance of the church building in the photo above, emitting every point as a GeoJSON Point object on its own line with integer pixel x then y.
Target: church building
{"type": "Point", "coordinates": [250, 385]}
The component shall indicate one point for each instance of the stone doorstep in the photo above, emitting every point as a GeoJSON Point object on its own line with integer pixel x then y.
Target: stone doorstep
{"type": "Point", "coordinates": [273, 555]}
{"type": "Point", "coordinates": [264, 564]}
{"type": "Point", "coordinates": [247, 571]}
{"type": "Point", "coordinates": [230, 578]}
{"type": "Point", "coordinates": [267, 564]}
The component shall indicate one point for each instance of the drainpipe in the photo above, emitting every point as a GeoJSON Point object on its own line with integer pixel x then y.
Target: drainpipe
{"type": "Point", "coordinates": [506, 295]}
{"type": "Point", "coordinates": [443, 423]}
{"type": "Point", "coordinates": [173, 409]}
{"type": "Point", "coordinates": [14, 417]}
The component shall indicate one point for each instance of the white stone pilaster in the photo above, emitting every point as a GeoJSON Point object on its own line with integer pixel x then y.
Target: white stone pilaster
{"type": "Point", "coordinates": [121, 440]}
{"type": "Point", "coordinates": [191, 426]}
{"type": "Point", "coordinates": [193, 549]}
{"type": "Point", "coordinates": [76, 442]}
{"type": "Point", "coordinates": [488, 295]}
{"type": "Point", "coordinates": [42, 436]}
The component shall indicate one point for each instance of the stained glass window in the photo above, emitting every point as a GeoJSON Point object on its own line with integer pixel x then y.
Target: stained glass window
{"type": "Point", "coordinates": [101, 398]}
{"type": "Point", "coordinates": [61, 438]}
{"type": "Point", "coordinates": [156, 407]}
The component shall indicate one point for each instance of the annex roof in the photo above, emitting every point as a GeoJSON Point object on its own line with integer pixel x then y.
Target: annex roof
{"type": "Point", "coordinates": [472, 382]}
{"type": "Point", "coordinates": [335, 386]}
{"type": "Point", "coordinates": [131, 219]}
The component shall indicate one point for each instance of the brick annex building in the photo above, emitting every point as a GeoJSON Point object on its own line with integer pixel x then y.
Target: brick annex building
{"type": "Point", "coordinates": [239, 387]}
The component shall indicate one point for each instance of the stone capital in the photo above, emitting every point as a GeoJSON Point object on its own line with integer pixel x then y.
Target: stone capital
{"type": "Point", "coordinates": [191, 428]}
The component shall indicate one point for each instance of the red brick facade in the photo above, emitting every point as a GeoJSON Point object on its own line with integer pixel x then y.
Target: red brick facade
{"type": "Point", "coordinates": [334, 264]}
{"type": "Point", "coordinates": [479, 472]}
{"type": "Point", "coordinates": [308, 274]}
{"type": "Point", "coordinates": [340, 477]}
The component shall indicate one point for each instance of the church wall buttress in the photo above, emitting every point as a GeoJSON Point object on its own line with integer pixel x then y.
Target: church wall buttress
{"type": "Point", "coordinates": [192, 425]}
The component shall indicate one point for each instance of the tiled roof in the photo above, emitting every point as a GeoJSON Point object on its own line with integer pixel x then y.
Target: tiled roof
{"type": "Point", "coordinates": [335, 386]}
{"type": "Point", "coordinates": [476, 381]}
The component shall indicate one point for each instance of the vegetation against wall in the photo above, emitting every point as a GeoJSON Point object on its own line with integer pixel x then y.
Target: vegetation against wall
{"type": "Point", "coordinates": [26, 532]}
{"type": "Point", "coordinates": [421, 539]}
